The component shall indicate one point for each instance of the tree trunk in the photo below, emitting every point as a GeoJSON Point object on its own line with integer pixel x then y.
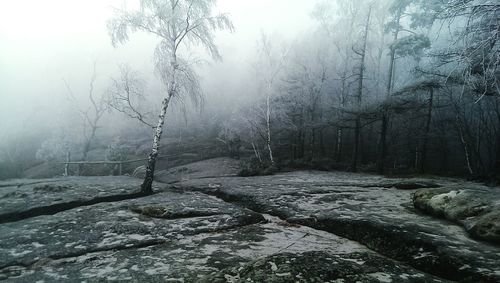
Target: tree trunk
{"type": "Point", "coordinates": [426, 134]}
{"type": "Point", "coordinates": [66, 166]}
{"type": "Point", "coordinates": [357, 130]}
{"type": "Point", "coordinates": [146, 187]}
{"type": "Point", "coordinates": [338, 149]}
{"type": "Point", "coordinates": [86, 147]}
{"type": "Point", "coordinates": [383, 144]}
{"type": "Point", "coordinates": [444, 152]}
{"type": "Point", "coordinates": [465, 146]}
{"type": "Point", "coordinates": [354, 165]}
{"type": "Point", "coordinates": [312, 142]}
{"type": "Point", "coordinates": [497, 155]}
{"type": "Point", "coordinates": [256, 152]}
{"type": "Point", "coordinates": [268, 125]}
{"type": "Point", "coordinates": [382, 156]}
{"type": "Point", "coordinates": [321, 143]}
{"type": "Point", "coordinates": [302, 143]}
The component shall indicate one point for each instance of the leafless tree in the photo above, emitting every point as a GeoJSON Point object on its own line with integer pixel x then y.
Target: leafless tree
{"type": "Point", "coordinates": [176, 23]}
{"type": "Point", "coordinates": [126, 94]}
{"type": "Point", "coordinates": [91, 115]}
{"type": "Point", "coordinates": [359, 93]}
{"type": "Point", "coordinates": [338, 19]}
{"type": "Point", "coordinates": [270, 65]}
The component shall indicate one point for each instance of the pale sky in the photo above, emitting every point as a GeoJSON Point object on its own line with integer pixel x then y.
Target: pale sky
{"type": "Point", "coordinates": [44, 42]}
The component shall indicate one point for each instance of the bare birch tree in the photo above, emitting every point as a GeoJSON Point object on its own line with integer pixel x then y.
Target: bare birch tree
{"type": "Point", "coordinates": [176, 23]}
{"type": "Point", "coordinates": [269, 67]}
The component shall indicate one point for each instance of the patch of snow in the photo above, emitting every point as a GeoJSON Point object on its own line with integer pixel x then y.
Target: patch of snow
{"type": "Point", "coordinates": [283, 274]}
{"type": "Point", "coordinates": [438, 202]}
{"type": "Point", "coordinates": [137, 237]}
{"type": "Point", "coordinates": [356, 261]}
{"type": "Point", "coordinates": [104, 270]}
{"type": "Point", "coordinates": [404, 276]}
{"type": "Point", "coordinates": [50, 273]}
{"type": "Point", "coordinates": [159, 268]}
{"type": "Point", "coordinates": [15, 253]}
{"type": "Point", "coordinates": [37, 245]}
{"type": "Point", "coordinates": [465, 266]}
{"type": "Point", "coordinates": [382, 277]}
{"type": "Point", "coordinates": [274, 268]}
{"type": "Point", "coordinates": [423, 255]}
{"type": "Point", "coordinates": [174, 280]}
{"type": "Point", "coordinates": [232, 279]}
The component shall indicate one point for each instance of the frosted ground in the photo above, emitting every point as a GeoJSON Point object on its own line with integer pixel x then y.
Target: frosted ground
{"type": "Point", "coordinates": [211, 226]}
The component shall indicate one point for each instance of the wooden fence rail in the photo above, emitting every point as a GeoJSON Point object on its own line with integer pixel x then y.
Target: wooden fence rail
{"type": "Point", "coordinates": [120, 162]}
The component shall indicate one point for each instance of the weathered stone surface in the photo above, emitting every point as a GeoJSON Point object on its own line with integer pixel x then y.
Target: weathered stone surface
{"type": "Point", "coordinates": [319, 266]}
{"type": "Point", "coordinates": [476, 208]}
{"type": "Point", "coordinates": [487, 227]}
{"type": "Point", "coordinates": [116, 225]}
{"type": "Point", "coordinates": [410, 184]}
{"type": "Point", "coordinates": [206, 257]}
{"type": "Point", "coordinates": [366, 209]}
{"type": "Point", "coordinates": [22, 199]}
{"type": "Point", "coordinates": [213, 230]}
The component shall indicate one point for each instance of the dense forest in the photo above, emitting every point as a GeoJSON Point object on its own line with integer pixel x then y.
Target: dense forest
{"type": "Point", "coordinates": [387, 86]}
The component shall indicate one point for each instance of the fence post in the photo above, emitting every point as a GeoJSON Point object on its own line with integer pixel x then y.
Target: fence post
{"type": "Point", "coordinates": [120, 168]}
{"type": "Point", "coordinates": [66, 165]}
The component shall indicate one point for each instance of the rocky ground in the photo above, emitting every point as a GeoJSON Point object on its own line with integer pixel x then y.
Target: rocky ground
{"type": "Point", "coordinates": [212, 168]}
{"type": "Point", "coordinates": [214, 227]}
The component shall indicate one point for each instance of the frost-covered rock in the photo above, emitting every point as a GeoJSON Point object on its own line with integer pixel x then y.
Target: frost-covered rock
{"type": "Point", "coordinates": [79, 243]}
{"type": "Point", "coordinates": [476, 208]}
{"type": "Point", "coordinates": [20, 199]}
{"type": "Point", "coordinates": [487, 227]}
{"type": "Point", "coordinates": [298, 226]}
{"type": "Point", "coordinates": [320, 266]}
{"type": "Point", "coordinates": [371, 210]}
{"type": "Point", "coordinates": [169, 236]}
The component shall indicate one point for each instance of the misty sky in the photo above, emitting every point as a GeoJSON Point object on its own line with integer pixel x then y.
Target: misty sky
{"type": "Point", "coordinates": [44, 42]}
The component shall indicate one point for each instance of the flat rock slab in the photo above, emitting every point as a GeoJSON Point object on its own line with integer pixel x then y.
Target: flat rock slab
{"type": "Point", "coordinates": [125, 224]}
{"type": "Point", "coordinates": [262, 252]}
{"type": "Point", "coordinates": [368, 209]}
{"type": "Point", "coordinates": [229, 229]}
{"type": "Point", "coordinates": [22, 199]}
{"type": "Point", "coordinates": [320, 266]}
{"type": "Point", "coordinates": [175, 236]}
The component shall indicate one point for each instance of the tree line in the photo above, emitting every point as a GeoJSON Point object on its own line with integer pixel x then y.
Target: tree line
{"type": "Point", "coordinates": [385, 86]}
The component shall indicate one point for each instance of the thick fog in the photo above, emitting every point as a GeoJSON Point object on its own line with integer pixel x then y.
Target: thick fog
{"type": "Point", "coordinates": [44, 43]}
{"type": "Point", "coordinates": [379, 86]}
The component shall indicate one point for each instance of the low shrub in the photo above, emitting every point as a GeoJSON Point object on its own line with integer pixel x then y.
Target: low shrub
{"type": "Point", "coordinates": [254, 167]}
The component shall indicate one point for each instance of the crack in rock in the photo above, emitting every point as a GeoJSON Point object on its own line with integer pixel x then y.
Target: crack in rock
{"type": "Point", "coordinates": [383, 238]}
